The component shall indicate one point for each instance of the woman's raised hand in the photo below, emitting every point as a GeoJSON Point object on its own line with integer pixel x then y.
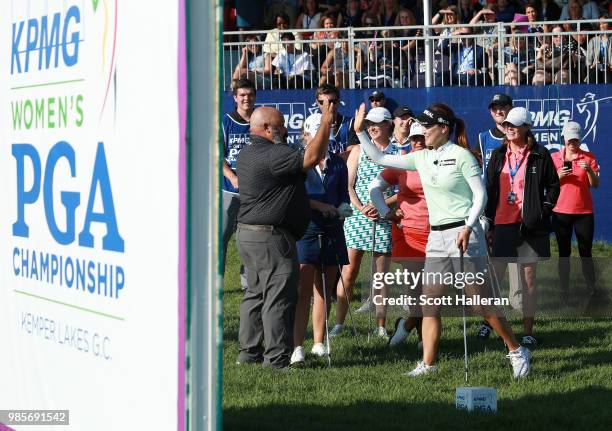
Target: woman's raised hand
{"type": "Point", "coordinates": [359, 118]}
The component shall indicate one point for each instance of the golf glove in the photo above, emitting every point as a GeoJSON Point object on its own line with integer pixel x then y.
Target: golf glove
{"type": "Point", "coordinates": [344, 211]}
{"type": "Point", "coordinates": [484, 223]}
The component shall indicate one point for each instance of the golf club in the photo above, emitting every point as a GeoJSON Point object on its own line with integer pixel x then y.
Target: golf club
{"type": "Point", "coordinates": [372, 270]}
{"type": "Point", "coordinates": [468, 397]}
{"type": "Point", "coordinates": [324, 287]}
{"type": "Point", "coordinates": [348, 302]}
{"type": "Point", "coordinates": [465, 349]}
{"type": "Point", "coordinates": [496, 288]}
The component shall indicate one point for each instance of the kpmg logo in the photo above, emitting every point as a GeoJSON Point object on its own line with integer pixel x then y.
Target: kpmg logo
{"type": "Point", "coordinates": [45, 40]}
{"type": "Point", "coordinates": [550, 115]}
{"type": "Point", "coordinates": [294, 114]}
{"type": "Point", "coordinates": [548, 118]}
{"type": "Point", "coordinates": [239, 139]}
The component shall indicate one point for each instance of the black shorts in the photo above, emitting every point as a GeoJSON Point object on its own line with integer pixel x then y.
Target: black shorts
{"type": "Point", "coordinates": [510, 243]}
{"type": "Point", "coordinates": [334, 246]}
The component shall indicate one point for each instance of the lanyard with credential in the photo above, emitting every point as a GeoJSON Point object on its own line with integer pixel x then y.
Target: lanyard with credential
{"type": "Point", "coordinates": [514, 170]}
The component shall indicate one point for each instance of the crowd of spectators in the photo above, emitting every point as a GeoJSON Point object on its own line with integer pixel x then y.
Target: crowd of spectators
{"type": "Point", "coordinates": [395, 57]}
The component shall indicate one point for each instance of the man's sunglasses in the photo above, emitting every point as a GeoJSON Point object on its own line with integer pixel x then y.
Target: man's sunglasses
{"type": "Point", "coordinates": [330, 101]}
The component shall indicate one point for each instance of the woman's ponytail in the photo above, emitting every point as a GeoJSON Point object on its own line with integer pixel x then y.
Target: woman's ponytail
{"type": "Point", "coordinates": [461, 138]}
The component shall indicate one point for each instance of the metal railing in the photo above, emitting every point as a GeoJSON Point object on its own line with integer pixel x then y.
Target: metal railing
{"type": "Point", "coordinates": [461, 55]}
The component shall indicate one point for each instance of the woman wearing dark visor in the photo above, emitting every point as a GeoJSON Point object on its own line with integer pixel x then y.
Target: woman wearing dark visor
{"type": "Point", "coordinates": [455, 195]}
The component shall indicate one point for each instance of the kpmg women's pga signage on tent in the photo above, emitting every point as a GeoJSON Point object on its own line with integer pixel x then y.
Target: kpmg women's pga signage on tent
{"type": "Point", "coordinates": [551, 107]}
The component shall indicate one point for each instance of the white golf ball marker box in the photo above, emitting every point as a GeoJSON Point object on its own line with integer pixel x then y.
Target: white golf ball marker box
{"type": "Point", "coordinates": [477, 399]}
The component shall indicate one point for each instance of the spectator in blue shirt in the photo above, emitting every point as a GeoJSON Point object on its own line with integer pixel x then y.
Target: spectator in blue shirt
{"type": "Point", "coordinates": [469, 61]}
{"type": "Point", "coordinates": [505, 11]}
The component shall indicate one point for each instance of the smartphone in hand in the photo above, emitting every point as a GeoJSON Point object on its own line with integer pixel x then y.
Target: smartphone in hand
{"type": "Point", "coordinates": [567, 164]}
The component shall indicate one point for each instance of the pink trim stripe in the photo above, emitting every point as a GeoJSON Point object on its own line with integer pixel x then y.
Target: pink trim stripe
{"type": "Point", "coordinates": [182, 172]}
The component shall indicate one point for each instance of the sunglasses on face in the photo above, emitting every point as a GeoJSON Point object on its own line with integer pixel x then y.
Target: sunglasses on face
{"type": "Point", "coordinates": [320, 101]}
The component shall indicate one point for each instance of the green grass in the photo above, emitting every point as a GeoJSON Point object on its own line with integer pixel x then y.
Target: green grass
{"type": "Point", "coordinates": [570, 386]}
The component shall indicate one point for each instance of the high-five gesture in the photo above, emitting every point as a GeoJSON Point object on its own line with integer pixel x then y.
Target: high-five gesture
{"type": "Point", "coordinates": [317, 148]}
{"type": "Point", "coordinates": [359, 118]}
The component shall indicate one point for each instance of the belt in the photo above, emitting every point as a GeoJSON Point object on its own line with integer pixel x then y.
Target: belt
{"type": "Point", "coordinates": [257, 227]}
{"type": "Point", "coordinates": [448, 225]}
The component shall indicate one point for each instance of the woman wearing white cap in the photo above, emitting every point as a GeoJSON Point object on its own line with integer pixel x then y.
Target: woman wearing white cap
{"type": "Point", "coordinates": [412, 218]}
{"type": "Point", "coordinates": [358, 227]}
{"type": "Point", "coordinates": [578, 171]}
{"type": "Point", "coordinates": [523, 188]}
{"type": "Point", "coordinates": [455, 198]}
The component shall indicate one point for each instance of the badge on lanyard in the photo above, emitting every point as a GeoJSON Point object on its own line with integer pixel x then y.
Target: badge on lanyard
{"type": "Point", "coordinates": [511, 198]}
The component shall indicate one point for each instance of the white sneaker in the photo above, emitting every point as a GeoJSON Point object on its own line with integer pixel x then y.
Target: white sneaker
{"type": "Point", "coordinates": [318, 349]}
{"type": "Point", "coordinates": [366, 307]}
{"type": "Point", "coordinates": [422, 369]}
{"type": "Point", "coordinates": [400, 333]}
{"type": "Point", "coordinates": [380, 332]}
{"type": "Point", "coordinates": [519, 359]}
{"type": "Point", "coordinates": [336, 330]}
{"type": "Point", "coordinates": [298, 357]}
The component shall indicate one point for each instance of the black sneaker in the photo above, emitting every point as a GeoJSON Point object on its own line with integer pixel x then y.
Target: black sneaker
{"type": "Point", "coordinates": [484, 331]}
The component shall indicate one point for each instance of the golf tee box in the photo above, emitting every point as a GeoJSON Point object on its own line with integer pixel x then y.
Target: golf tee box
{"type": "Point", "coordinates": [476, 399]}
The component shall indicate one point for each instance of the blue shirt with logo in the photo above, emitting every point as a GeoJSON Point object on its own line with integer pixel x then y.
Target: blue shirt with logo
{"type": "Point", "coordinates": [236, 134]}
{"type": "Point", "coordinates": [488, 141]}
{"type": "Point", "coordinates": [339, 137]}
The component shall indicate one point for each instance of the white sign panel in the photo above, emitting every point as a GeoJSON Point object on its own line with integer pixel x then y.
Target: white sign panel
{"type": "Point", "coordinates": [89, 220]}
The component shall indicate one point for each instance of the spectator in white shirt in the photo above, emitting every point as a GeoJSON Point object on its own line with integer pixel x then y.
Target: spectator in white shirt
{"type": "Point", "coordinates": [293, 68]}
{"type": "Point", "coordinates": [281, 24]}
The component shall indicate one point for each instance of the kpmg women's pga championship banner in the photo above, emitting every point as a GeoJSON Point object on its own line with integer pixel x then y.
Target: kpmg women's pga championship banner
{"type": "Point", "coordinates": [551, 107]}
{"type": "Point", "coordinates": [89, 223]}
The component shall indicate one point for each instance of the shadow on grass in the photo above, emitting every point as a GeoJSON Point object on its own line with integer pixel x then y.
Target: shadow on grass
{"type": "Point", "coordinates": [582, 409]}
{"type": "Point", "coordinates": [349, 350]}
